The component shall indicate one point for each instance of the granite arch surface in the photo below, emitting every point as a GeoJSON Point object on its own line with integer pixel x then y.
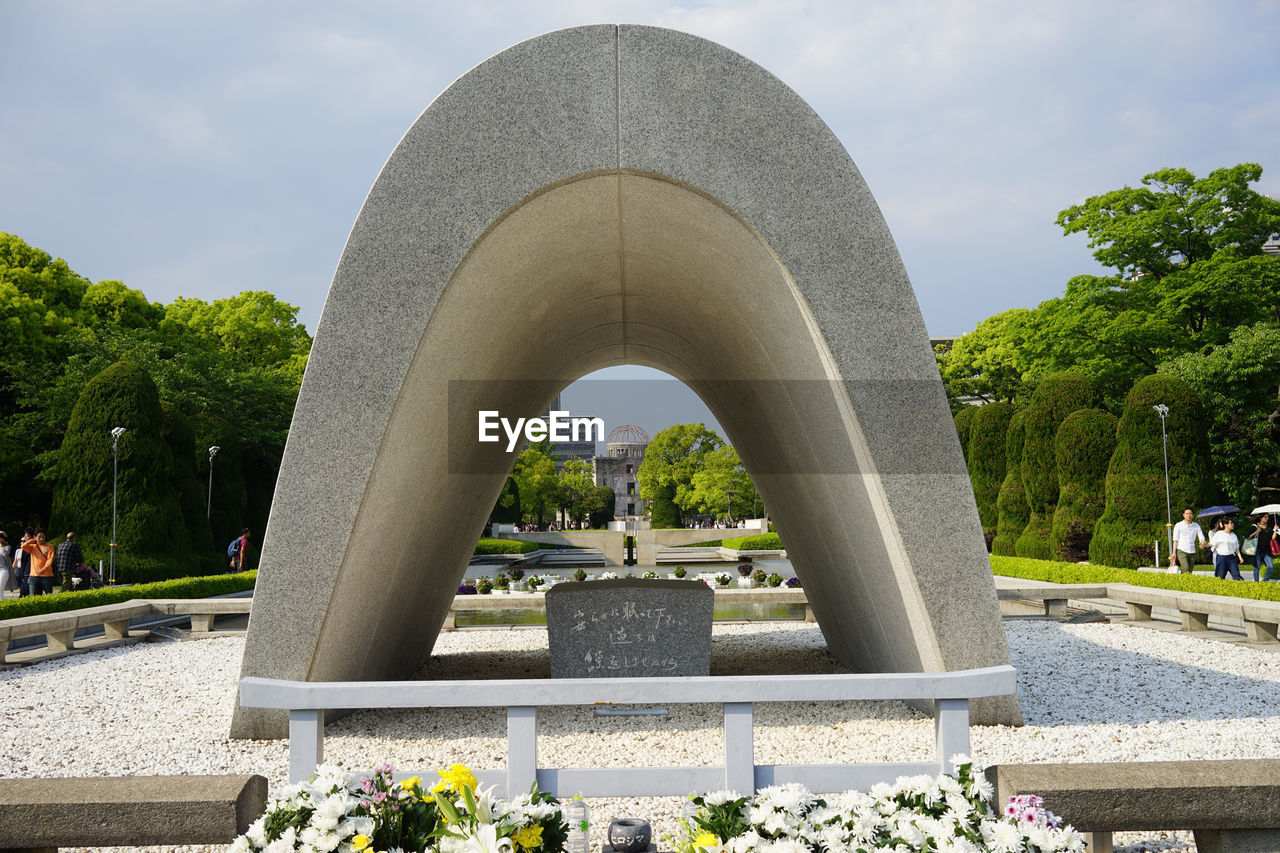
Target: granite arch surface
{"type": "Point", "coordinates": [606, 195]}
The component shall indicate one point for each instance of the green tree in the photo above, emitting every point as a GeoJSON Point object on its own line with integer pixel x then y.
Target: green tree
{"type": "Point", "coordinates": [1188, 270]}
{"type": "Point", "coordinates": [575, 483]}
{"type": "Point", "coordinates": [35, 272]}
{"type": "Point", "coordinates": [600, 507]}
{"type": "Point", "coordinates": [1082, 448]}
{"type": "Point", "coordinates": [721, 485]}
{"type": "Point", "coordinates": [1013, 511]}
{"type": "Point", "coordinates": [1175, 220]}
{"type": "Point", "coordinates": [964, 423]}
{"type": "Point", "coordinates": [110, 303]}
{"type": "Point", "coordinates": [535, 476]}
{"type": "Point", "coordinates": [1135, 515]}
{"type": "Point", "coordinates": [988, 363]}
{"type": "Point", "coordinates": [506, 510]}
{"type": "Point", "coordinates": [673, 456]}
{"type": "Point", "coordinates": [1240, 385]}
{"type": "Point", "coordinates": [150, 515]}
{"type": "Point", "coordinates": [987, 462]}
{"type": "Point", "coordinates": [1056, 397]}
{"type": "Point", "coordinates": [192, 494]}
{"type": "Point", "coordinates": [232, 368]}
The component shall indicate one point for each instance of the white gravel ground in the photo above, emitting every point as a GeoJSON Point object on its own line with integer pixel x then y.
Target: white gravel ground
{"type": "Point", "coordinates": [1094, 692]}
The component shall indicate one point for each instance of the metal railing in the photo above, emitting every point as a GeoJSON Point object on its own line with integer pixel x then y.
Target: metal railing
{"type": "Point", "coordinates": [950, 693]}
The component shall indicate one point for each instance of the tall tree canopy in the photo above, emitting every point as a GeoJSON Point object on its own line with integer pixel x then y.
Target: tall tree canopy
{"type": "Point", "coordinates": [227, 373]}
{"type": "Point", "coordinates": [1190, 293]}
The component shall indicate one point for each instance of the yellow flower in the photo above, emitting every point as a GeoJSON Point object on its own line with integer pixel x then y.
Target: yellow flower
{"type": "Point", "coordinates": [361, 842]}
{"type": "Point", "coordinates": [458, 777]}
{"type": "Point", "coordinates": [439, 788]}
{"type": "Point", "coordinates": [412, 782]}
{"type": "Point", "coordinates": [706, 839]}
{"type": "Point", "coordinates": [529, 837]}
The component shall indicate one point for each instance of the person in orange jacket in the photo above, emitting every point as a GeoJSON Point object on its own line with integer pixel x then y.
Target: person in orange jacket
{"type": "Point", "coordinates": [40, 582]}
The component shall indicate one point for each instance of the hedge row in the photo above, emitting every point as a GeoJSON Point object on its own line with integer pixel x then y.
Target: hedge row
{"type": "Point", "coordinates": [760, 542]}
{"type": "Point", "coordinates": [488, 545]}
{"type": "Point", "coordinates": [1047, 570]}
{"type": "Point", "coordinates": [205, 587]}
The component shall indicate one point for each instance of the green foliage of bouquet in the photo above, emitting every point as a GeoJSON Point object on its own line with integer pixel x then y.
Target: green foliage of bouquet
{"type": "Point", "coordinates": [333, 811]}
{"type": "Point", "coordinates": [949, 813]}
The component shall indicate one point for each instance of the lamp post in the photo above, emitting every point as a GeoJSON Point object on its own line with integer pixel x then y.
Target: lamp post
{"type": "Point", "coordinates": [115, 482]}
{"type": "Point", "coordinates": [213, 451]}
{"type": "Point", "coordinates": [1163, 411]}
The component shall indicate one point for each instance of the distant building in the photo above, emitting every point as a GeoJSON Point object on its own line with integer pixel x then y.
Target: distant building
{"type": "Point", "coordinates": [617, 469]}
{"type": "Point", "coordinates": [566, 450]}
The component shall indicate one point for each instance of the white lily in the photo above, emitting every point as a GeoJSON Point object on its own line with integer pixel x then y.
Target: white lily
{"type": "Point", "coordinates": [486, 840]}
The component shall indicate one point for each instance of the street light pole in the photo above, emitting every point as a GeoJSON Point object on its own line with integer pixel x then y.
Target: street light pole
{"type": "Point", "coordinates": [1163, 411]}
{"type": "Point", "coordinates": [213, 451]}
{"type": "Point", "coordinates": [115, 483]}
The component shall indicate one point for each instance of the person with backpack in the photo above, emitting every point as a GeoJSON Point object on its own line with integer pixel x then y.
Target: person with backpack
{"type": "Point", "coordinates": [237, 550]}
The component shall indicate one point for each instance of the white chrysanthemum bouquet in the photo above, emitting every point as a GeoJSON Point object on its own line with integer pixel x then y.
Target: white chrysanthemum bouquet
{"type": "Point", "coordinates": [334, 812]}
{"type": "Point", "coordinates": [950, 813]}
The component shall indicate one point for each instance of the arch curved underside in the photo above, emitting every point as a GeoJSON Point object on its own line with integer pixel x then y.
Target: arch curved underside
{"type": "Point", "coordinates": [599, 196]}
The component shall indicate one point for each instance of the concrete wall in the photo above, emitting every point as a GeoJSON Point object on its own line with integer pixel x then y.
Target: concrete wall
{"type": "Point", "coordinates": [613, 193]}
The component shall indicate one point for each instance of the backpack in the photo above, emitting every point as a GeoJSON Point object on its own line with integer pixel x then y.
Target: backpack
{"type": "Point", "coordinates": [233, 547]}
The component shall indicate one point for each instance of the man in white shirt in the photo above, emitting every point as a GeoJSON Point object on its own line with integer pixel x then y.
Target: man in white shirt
{"type": "Point", "coordinates": [1187, 536]}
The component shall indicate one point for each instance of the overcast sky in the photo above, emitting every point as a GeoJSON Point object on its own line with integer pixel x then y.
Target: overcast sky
{"type": "Point", "coordinates": [202, 149]}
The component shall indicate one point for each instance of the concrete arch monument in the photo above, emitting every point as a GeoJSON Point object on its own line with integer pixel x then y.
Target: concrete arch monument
{"type": "Point", "coordinates": [597, 196]}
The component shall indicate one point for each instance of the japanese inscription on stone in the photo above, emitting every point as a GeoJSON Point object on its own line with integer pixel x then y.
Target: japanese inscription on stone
{"type": "Point", "coordinates": [629, 628]}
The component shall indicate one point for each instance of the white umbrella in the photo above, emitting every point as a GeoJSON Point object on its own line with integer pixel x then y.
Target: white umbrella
{"type": "Point", "coordinates": [1272, 508]}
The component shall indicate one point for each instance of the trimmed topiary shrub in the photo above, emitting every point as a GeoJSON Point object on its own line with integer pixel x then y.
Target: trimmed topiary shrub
{"type": "Point", "coordinates": [1135, 514]}
{"type": "Point", "coordinates": [1083, 449]}
{"type": "Point", "coordinates": [150, 520]}
{"type": "Point", "coordinates": [1011, 504]}
{"type": "Point", "coordinates": [964, 426]}
{"type": "Point", "coordinates": [759, 542]}
{"type": "Point", "coordinates": [987, 462]}
{"type": "Point", "coordinates": [663, 512]}
{"type": "Point", "coordinates": [1056, 397]}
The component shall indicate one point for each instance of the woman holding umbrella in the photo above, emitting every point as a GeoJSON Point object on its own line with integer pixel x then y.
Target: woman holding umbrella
{"type": "Point", "coordinates": [1264, 530]}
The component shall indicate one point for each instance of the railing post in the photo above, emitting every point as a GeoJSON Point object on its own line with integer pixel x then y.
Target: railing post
{"type": "Point", "coordinates": [306, 742]}
{"type": "Point", "coordinates": [522, 749]}
{"type": "Point", "coordinates": [950, 729]}
{"type": "Point", "coordinates": [739, 748]}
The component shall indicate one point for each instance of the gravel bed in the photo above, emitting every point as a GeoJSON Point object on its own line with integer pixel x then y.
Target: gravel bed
{"type": "Point", "coordinates": [1092, 692]}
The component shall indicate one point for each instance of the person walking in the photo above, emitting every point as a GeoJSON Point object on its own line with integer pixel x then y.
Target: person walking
{"type": "Point", "coordinates": [1226, 551]}
{"type": "Point", "coordinates": [40, 582]}
{"type": "Point", "coordinates": [22, 564]}
{"type": "Point", "coordinates": [6, 563]}
{"type": "Point", "coordinates": [1264, 530]}
{"type": "Point", "coordinates": [67, 558]}
{"type": "Point", "coordinates": [238, 553]}
{"type": "Point", "coordinates": [1187, 536]}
